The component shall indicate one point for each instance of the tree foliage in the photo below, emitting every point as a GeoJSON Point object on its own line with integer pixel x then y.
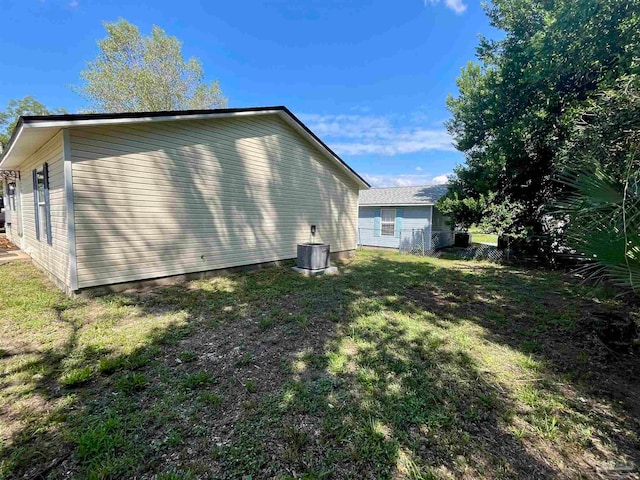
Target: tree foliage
{"type": "Point", "coordinates": [517, 111]}
{"type": "Point", "coordinates": [604, 224]}
{"type": "Point", "coordinates": [466, 211]}
{"type": "Point", "coordinates": [17, 108]}
{"type": "Point", "coordinates": [133, 72]}
{"type": "Point", "coordinates": [501, 218]}
{"type": "Point", "coordinates": [601, 208]}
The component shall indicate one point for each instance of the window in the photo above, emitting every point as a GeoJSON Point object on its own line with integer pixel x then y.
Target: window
{"type": "Point", "coordinates": [41, 203]}
{"type": "Point", "coordinates": [388, 221]}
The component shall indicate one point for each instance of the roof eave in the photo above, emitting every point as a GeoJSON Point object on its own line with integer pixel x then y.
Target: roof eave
{"type": "Point", "coordinates": [7, 151]}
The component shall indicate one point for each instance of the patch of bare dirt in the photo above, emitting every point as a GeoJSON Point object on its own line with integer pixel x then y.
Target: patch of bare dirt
{"type": "Point", "coordinates": [249, 363]}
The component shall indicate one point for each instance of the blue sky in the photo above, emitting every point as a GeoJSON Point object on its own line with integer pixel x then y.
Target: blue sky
{"type": "Point", "coordinates": [370, 78]}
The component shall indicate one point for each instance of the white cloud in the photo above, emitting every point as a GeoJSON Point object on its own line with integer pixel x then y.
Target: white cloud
{"type": "Point", "coordinates": [74, 4]}
{"type": "Point", "coordinates": [441, 179]}
{"type": "Point", "coordinates": [418, 169]}
{"type": "Point", "coordinates": [456, 5]}
{"type": "Point", "coordinates": [360, 109]}
{"type": "Point", "coordinates": [375, 135]}
{"type": "Point", "coordinates": [403, 180]}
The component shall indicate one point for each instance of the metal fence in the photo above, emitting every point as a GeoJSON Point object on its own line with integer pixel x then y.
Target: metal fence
{"type": "Point", "coordinates": [485, 252]}
{"type": "Point", "coordinates": [415, 241]}
{"type": "Point", "coordinates": [421, 242]}
{"type": "Point", "coordinates": [418, 241]}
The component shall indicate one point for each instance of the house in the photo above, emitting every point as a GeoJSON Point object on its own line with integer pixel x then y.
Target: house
{"type": "Point", "coordinates": [109, 199]}
{"type": "Point", "coordinates": [404, 218]}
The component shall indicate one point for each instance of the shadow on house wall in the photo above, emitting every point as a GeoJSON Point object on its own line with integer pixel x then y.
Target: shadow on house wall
{"type": "Point", "coordinates": [191, 196]}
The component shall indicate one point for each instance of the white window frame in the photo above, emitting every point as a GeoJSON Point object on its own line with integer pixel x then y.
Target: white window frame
{"type": "Point", "coordinates": [384, 223]}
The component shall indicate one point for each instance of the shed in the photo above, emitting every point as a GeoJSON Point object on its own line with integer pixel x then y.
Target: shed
{"type": "Point", "coordinates": [106, 199]}
{"type": "Point", "coordinates": [404, 218]}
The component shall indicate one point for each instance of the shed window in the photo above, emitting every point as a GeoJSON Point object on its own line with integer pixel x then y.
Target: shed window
{"type": "Point", "coordinates": [388, 222]}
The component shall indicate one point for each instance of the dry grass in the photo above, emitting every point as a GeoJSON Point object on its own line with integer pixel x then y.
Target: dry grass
{"type": "Point", "coordinates": [401, 367]}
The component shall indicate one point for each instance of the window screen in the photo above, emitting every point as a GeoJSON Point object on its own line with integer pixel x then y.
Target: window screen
{"type": "Point", "coordinates": [388, 221]}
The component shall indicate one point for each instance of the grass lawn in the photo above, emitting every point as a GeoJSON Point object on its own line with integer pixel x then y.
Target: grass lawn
{"type": "Point", "coordinates": [400, 367]}
{"type": "Point", "coordinates": [485, 238]}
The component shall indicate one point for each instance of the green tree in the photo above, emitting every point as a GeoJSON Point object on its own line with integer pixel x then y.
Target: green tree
{"type": "Point", "coordinates": [517, 109]}
{"type": "Point", "coordinates": [501, 218]}
{"type": "Point", "coordinates": [603, 223]}
{"type": "Point", "coordinates": [601, 207]}
{"type": "Point", "coordinates": [17, 108]}
{"type": "Point", "coordinates": [466, 211]}
{"type": "Point", "coordinates": [133, 72]}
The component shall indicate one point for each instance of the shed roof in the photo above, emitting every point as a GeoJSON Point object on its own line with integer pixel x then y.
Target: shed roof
{"type": "Point", "coordinates": [419, 195]}
{"type": "Point", "coordinates": [32, 132]}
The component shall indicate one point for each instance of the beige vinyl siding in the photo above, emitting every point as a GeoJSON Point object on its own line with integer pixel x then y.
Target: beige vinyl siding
{"type": "Point", "coordinates": [53, 258]}
{"type": "Point", "coordinates": [166, 198]}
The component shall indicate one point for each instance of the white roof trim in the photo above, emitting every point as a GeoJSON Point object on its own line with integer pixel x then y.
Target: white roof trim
{"type": "Point", "coordinates": [7, 154]}
{"type": "Point", "coordinates": [125, 120]}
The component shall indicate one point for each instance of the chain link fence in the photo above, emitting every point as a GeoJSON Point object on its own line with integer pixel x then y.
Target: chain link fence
{"type": "Point", "coordinates": [489, 253]}
{"type": "Point", "coordinates": [419, 241]}
{"type": "Point", "coordinates": [416, 241]}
